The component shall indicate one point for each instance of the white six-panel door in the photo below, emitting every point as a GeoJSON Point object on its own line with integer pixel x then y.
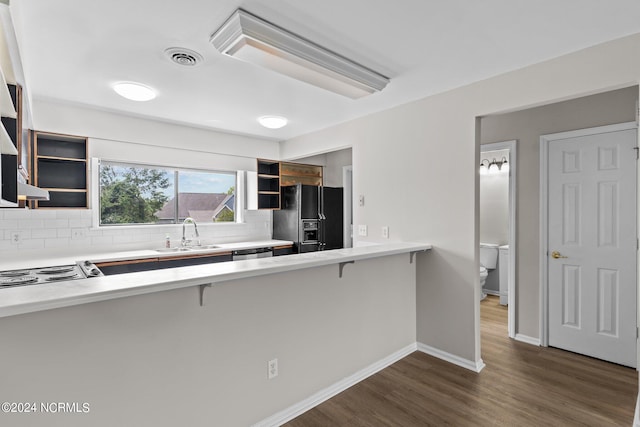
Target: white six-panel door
{"type": "Point", "coordinates": [592, 245]}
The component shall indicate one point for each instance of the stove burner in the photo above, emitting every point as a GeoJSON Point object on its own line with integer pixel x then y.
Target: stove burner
{"type": "Point", "coordinates": [56, 270]}
{"type": "Point", "coordinates": [59, 273]}
{"type": "Point", "coordinates": [14, 273]}
{"type": "Point", "coordinates": [71, 275]}
{"type": "Point", "coordinates": [15, 281]}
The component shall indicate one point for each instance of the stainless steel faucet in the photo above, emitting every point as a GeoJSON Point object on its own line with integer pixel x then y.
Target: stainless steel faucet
{"type": "Point", "coordinates": [185, 242]}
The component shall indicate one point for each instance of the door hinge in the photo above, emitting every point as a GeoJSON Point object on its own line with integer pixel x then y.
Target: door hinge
{"type": "Point", "coordinates": [637, 152]}
{"type": "Point", "coordinates": [637, 332]}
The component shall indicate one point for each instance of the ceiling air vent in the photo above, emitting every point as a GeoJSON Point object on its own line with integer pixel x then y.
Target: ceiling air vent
{"type": "Point", "coordinates": [183, 56]}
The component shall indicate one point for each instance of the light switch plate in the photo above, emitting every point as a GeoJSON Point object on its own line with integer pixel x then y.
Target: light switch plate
{"type": "Point", "coordinates": [361, 200]}
{"type": "Point", "coordinates": [362, 230]}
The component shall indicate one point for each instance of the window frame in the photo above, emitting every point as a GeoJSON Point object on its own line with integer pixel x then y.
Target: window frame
{"type": "Point", "coordinates": [95, 190]}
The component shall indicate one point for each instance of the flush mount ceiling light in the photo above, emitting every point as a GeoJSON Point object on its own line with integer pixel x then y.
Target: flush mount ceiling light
{"type": "Point", "coordinates": [134, 91]}
{"type": "Point", "coordinates": [250, 38]}
{"type": "Point", "coordinates": [273, 122]}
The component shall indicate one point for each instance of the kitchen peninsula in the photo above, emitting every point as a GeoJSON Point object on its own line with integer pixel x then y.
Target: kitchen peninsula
{"type": "Point", "coordinates": [140, 348]}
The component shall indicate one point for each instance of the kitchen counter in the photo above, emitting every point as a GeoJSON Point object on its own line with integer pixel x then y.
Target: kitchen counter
{"type": "Point", "coordinates": [139, 254]}
{"type": "Point", "coordinates": [27, 299]}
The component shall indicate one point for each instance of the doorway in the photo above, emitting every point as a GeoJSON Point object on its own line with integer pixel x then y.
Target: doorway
{"type": "Point", "coordinates": [347, 184]}
{"type": "Point", "coordinates": [506, 152]}
{"type": "Point", "coordinates": [589, 241]}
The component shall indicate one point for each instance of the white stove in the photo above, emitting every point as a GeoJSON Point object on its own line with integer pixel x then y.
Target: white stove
{"type": "Point", "coordinates": [34, 276]}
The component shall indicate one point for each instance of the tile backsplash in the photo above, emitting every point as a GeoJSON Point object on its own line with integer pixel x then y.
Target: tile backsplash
{"type": "Point", "coordinates": [42, 232]}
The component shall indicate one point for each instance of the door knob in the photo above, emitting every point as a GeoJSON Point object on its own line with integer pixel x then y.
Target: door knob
{"type": "Point", "coordinates": [556, 255]}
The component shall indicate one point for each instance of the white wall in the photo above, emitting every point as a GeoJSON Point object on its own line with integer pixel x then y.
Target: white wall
{"type": "Point", "coordinates": [44, 232]}
{"type": "Point", "coordinates": [87, 121]}
{"type": "Point", "coordinates": [117, 137]}
{"type": "Point", "coordinates": [162, 360]}
{"type": "Point", "coordinates": [336, 160]}
{"type": "Point", "coordinates": [526, 126]}
{"type": "Point", "coordinates": [333, 162]}
{"type": "Point", "coordinates": [417, 165]}
{"type": "Point", "coordinates": [494, 202]}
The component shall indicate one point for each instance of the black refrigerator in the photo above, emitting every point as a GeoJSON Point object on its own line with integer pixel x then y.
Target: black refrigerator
{"type": "Point", "coordinates": [310, 216]}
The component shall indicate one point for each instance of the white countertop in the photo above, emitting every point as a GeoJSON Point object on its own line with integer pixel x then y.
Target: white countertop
{"type": "Point", "coordinates": [45, 296]}
{"type": "Point", "coordinates": [51, 261]}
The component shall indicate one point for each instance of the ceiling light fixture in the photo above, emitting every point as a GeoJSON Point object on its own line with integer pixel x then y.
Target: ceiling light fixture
{"type": "Point", "coordinates": [134, 91]}
{"type": "Point", "coordinates": [250, 38]}
{"type": "Point", "coordinates": [273, 122]}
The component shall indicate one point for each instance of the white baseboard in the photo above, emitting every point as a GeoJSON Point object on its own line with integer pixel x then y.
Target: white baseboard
{"type": "Point", "coordinates": [451, 358]}
{"type": "Point", "coordinates": [491, 292]}
{"type": "Point", "coordinates": [636, 416]}
{"type": "Point", "coordinates": [312, 401]}
{"type": "Point", "coordinates": [528, 340]}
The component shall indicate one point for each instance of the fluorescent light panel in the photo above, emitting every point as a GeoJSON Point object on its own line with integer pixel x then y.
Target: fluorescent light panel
{"type": "Point", "coordinates": [252, 39]}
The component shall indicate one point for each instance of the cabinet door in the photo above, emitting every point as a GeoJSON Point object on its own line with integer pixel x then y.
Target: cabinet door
{"type": "Point", "coordinates": [121, 267]}
{"type": "Point", "coordinates": [283, 250]}
{"type": "Point", "coordinates": [194, 260]}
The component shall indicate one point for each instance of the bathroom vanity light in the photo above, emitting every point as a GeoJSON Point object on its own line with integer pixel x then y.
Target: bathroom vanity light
{"type": "Point", "coordinates": [504, 166]}
{"type": "Point", "coordinates": [484, 167]}
{"type": "Point", "coordinates": [494, 166]}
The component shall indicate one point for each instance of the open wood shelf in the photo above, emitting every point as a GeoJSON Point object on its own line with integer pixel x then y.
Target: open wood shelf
{"type": "Point", "coordinates": [10, 142]}
{"type": "Point", "coordinates": [60, 166]}
{"type": "Point", "coordinates": [273, 175]}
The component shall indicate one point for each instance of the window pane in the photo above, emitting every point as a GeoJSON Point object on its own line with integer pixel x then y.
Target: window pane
{"type": "Point", "coordinates": [206, 196]}
{"type": "Point", "coordinates": [135, 194]}
{"type": "Point", "coordinates": [132, 194]}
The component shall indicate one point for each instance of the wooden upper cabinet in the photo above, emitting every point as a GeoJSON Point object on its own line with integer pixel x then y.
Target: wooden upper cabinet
{"type": "Point", "coordinates": [296, 173]}
{"type": "Point", "coordinates": [60, 166]}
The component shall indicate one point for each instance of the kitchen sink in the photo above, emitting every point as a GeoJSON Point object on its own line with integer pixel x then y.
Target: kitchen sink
{"type": "Point", "coordinates": [173, 249]}
{"type": "Point", "coordinates": [188, 248]}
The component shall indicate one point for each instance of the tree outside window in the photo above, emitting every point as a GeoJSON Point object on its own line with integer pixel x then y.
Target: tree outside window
{"type": "Point", "coordinates": [135, 194]}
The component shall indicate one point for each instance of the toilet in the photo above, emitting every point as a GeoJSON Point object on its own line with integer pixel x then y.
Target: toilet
{"type": "Point", "coordinates": [488, 261]}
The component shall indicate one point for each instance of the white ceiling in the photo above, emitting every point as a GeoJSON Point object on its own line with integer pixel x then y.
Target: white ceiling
{"type": "Point", "coordinates": [74, 50]}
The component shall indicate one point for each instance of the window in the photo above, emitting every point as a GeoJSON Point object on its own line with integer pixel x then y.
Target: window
{"type": "Point", "coordinates": [139, 194]}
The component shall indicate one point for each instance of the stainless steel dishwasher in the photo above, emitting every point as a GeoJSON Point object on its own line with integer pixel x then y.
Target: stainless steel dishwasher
{"type": "Point", "coordinates": [252, 253]}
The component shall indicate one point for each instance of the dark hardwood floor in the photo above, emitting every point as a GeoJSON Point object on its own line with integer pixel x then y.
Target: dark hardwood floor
{"type": "Point", "coordinates": [522, 385]}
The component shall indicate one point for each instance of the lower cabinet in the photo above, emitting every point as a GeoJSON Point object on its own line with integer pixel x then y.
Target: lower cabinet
{"type": "Point", "coordinates": [127, 266]}
{"type": "Point", "coordinates": [193, 260]}
{"type": "Point", "coordinates": [147, 264]}
{"type": "Point", "coordinates": [283, 250]}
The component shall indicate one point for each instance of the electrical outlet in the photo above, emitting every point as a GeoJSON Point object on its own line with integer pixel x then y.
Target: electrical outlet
{"type": "Point", "coordinates": [78, 233]}
{"type": "Point", "coordinates": [272, 366]}
{"type": "Point", "coordinates": [385, 232]}
{"type": "Point", "coordinates": [362, 230]}
{"type": "Point", "coordinates": [16, 236]}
